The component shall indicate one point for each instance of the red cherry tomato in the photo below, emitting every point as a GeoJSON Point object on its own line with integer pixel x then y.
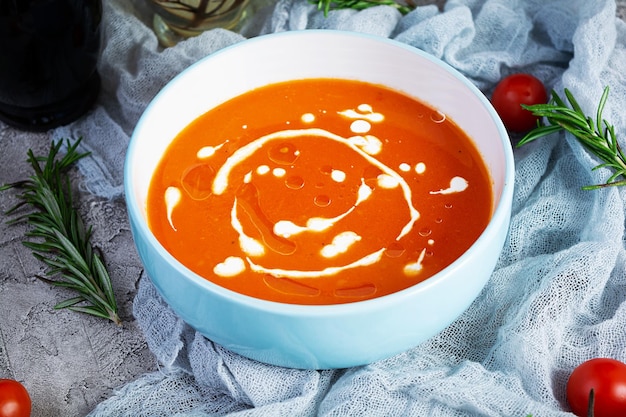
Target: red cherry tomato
{"type": "Point", "coordinates": [513, 91]}
{"type": "Point", "coordinates": [14, 399]}
{"type": "Point", "coordinates": [607, 378]}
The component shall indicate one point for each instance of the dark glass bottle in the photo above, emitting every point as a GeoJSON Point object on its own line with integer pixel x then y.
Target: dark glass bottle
{"type": "Point", "coordinates": [48, 55]}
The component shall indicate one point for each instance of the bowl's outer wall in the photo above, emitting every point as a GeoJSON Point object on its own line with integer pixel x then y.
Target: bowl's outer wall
{"type": "Point", "coordinates": [337, 337]}
{"type": "Point", "coordinates": [319, 337]}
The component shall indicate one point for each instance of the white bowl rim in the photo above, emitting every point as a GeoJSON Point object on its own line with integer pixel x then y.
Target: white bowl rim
{"type": "Point", "coordinates": [499, 216]}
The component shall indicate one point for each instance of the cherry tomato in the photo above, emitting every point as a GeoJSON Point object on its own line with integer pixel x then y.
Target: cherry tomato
{"type": "Point", "coordinates": [607, 378]}
{"type": "Point", "coordinates": [513, 91]}
{"type": "Point", "coordinates": [14, 399]}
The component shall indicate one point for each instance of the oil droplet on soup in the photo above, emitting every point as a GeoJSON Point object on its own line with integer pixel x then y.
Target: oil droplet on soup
{"type": "Point", "coordinates": [283, 153]}
{"type": "Point", "coordinates": [294, 182]}
{"type": "Point", "coordinates": [336, 191]}
{"type": "Point", "coordinates": [322, 200]}
{"type": "Point", "coordinates": [197, 181]}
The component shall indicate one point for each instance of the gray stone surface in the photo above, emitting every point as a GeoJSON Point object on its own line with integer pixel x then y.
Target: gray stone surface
{"type": "Point", "coordinates": [68, 361]}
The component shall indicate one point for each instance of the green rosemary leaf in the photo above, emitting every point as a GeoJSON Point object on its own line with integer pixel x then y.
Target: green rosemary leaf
{"type": "Point", "coordinates": [69, 302]}
{"type": "Point", "coordinates": [557, 100]}
{"type": "Point", "coordinates": [573, 102]}
{"type": "Point", "coordinates": [95, 299]}
{"type": "Point", "coordinates": [44, 223]}
{"type": "Point", "coordinates": [73, 274]}
{"type": "Point", "coordinates": [565, 118]}
{"type": "Point", "coordinates": [63, 284]}
{"type": "Point", "coordinates": [537, 133]}
{"type": "Point", "coordinates": [58, 237]}
{"type": "Point", "coordinates": [603, 99]}
{"type": "Point", "coordinates": [73, 255]}
{"type": "Point", "coordinates": [16, 207]}
{"type": "Point", "coordinates": [614, 144]}
{"type": "Point", "coordinates": [598, 136]}
{"type": "Point", "coordinates": [614, 177]}
{"type": "Point", "coordinates": [94, 311]}
{"type": "Point", "coordinates": [104, 281]}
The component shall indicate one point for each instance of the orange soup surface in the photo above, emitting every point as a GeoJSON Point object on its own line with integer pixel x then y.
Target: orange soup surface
{"type": "Point", "coordinates": [319, 191]}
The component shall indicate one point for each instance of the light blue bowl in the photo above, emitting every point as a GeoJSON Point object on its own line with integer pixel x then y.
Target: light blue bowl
{"type": "Point", "coordinates": [331, 336]}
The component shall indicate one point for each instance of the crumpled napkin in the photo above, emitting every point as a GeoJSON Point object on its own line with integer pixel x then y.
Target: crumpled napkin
{"type": "Point", "coordinates": [556, 297]}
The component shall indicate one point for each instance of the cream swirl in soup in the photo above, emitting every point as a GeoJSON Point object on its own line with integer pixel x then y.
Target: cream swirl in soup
{"type": "Point", "coordinates": [319, 192]}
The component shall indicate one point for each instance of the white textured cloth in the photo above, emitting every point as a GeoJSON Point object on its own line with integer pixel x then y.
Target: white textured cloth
{"type": "Point", "coordinates": [556, 298]}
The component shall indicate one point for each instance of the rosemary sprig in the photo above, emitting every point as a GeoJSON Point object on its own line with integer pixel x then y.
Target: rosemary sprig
{"type": "Point", "coordinates": [58, 236]}
{"type": "Point", "coordinates": [597, 136]}
{"type": "Point", "coordinates": [327, 5]}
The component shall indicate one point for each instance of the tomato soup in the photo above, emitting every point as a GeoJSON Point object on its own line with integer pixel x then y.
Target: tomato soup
{"type": "Point", "coordinates": [320, 191]}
